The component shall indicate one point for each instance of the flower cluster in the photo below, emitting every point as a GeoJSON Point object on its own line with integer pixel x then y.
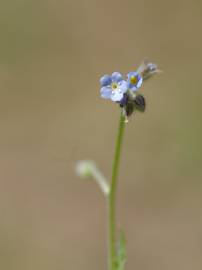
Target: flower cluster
{"type": "Point", "coordinates": [114, 87]}
{"type": "Point", "coordinates": [123, 92]}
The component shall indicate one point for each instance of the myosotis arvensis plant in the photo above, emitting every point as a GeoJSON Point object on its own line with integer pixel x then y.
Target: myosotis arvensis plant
{"type": "Point", "coordinates": [125, 94]}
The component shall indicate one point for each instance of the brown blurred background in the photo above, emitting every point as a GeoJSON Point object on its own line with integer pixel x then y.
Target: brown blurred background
{"type": "Point", "coordinates": [52, 54]}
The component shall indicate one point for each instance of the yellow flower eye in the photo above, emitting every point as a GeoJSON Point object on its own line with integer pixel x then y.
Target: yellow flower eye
{"type": "Point", "coordinates": [133, 79]}
{"type": "Point", "coordinates": [114, 86]}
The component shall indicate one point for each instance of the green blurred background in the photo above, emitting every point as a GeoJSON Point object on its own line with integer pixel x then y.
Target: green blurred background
{"type": "Point", "coordinates": [52, 54]}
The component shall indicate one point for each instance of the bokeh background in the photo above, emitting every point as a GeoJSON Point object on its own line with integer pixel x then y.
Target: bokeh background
{"type": "Point", "coordinates": [52, 54]}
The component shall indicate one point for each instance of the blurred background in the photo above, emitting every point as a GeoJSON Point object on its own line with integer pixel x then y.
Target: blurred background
{"type": "Point", "coordinates": [52, 54]}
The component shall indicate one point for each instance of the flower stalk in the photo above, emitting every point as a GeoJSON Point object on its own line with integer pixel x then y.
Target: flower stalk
{"type": "Point", "coordinates": [125, 94]}
{"type": "Point", "coordinates": [112, 197]}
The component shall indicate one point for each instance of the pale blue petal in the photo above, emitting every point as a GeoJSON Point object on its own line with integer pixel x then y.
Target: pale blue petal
{"type": "Point", "coordinates": [133, 87]}
{"type": "Point", "coordinates": [139, 82]}
{"type": "Point", "coordinates": [105, 80]}
{"type": "Point", "coordinates": [133, 73]}
{"type": "Point", "coordinates": [116, 77]}
{"type": "Point", "coordinates": [116, 96]}
{"type": "Point", "coordinates": [123, 86]}
{"type": "Point", "coordinates": [106, 92]}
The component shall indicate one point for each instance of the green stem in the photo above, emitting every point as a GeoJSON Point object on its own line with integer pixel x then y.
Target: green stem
{"type": "Point", "coordinates": [112, 196]}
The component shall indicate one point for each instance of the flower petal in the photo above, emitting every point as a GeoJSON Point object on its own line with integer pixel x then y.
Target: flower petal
{"type": "Point", "coordinates": [116, 77]}
{"type": "Point", "coordinates": [105, 80]}
{"type": "Point", "coordinates": [140, 80]}
{"type": "Point", "coordinates": [132, 87]}
{"type": "Point", "coordinates": [123, 86]}
{"type": "Point", "coordinates": [116, 95]}
{"type": "Point", "coordinates": [106, 92]}
{"type": "Point", "coordinates": [132, 74]}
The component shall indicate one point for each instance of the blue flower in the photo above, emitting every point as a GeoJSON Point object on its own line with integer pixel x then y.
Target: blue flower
{"type": "Point", "coordinates": [113, 87]}
{"type": "Point", "coordinates": [134, 80]}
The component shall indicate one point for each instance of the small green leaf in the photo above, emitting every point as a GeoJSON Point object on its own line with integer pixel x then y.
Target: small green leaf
{"type": "Point", "coordinates": [121, 252]}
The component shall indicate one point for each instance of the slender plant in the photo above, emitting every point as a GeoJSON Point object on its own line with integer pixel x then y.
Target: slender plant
{"type": "Point", "coordinates": [125, 94]}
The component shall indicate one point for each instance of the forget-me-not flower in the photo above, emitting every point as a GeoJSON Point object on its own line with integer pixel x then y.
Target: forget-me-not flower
{"type": "Point", "coordinates": [113, 87]}
{"type": "Point", "coordinates": [125, 92]}
{"type": "Point", "coordinates": [134, 80]}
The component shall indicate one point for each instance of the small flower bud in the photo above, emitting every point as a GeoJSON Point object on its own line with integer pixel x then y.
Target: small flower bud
{"type": "Point", "coordinates": [131, 102]}
{"type": "Point", "coordinates": [124, 100]}
{"type": "Point", "coordinates": [147, 70]}
{"type": "Point", "coordinates": [129, 108]}
{"type": "Point", "coordinates": [85, 168]}
{"type": "Point", "coordinates": [88, 169]}
{"type": "Point", "coordinates": [139, 102]}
